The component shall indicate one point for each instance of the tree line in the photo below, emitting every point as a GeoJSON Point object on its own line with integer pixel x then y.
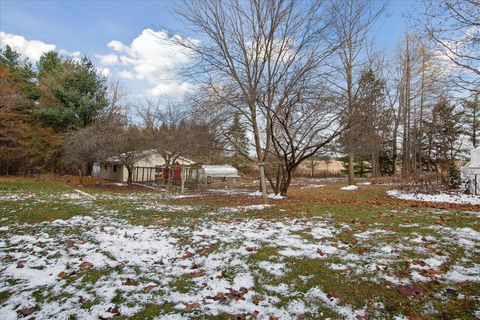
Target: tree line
{"type": "Point", "coordinates": [279, 82]}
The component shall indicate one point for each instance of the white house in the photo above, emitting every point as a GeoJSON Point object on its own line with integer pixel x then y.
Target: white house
{"type": "Point", "coordinates": [147, 167]}
{"type": "Point", "coordinates": [471, 172]}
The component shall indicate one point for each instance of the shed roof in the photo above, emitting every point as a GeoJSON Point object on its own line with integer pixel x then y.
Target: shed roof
{"type": "Point", "coordinates": [141, 155]}
{"type": "Point", "coordinates": [223, 170]}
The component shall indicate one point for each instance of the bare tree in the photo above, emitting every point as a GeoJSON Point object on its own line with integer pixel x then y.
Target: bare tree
{"type": "Point", "coordinates": [353, 20]}
{"type": "Point", "coordinates": [417, 80]}
{"type": "Point", "coordinates": [166, 129]}
{"type": "Point", "coordinates": [107, 141]}
{"type": "Point", "coordinates": [262, 58]}
{"type": "Point", "coordinates": [89, 144]}
{"type": "Point", "coordinates": [453, 28]}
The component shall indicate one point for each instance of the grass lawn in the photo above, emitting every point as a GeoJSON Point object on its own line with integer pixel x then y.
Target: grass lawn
{"type": "Point", "coordinates": [121, 252]}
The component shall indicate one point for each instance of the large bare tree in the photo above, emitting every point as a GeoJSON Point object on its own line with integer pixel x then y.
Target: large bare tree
{"type": "Point", "coordinates": [453, 26]}
{"type": "Point", "coordinates": [263, 59]}
{"type": "Point", "coordinates": [353, 21]}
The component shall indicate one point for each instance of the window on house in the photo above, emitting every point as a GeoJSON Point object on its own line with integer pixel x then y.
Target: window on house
{"type": "Point", "coordinates": [115, 168]}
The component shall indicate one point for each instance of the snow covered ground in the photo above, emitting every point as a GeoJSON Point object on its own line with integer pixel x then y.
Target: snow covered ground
{"type": "Point", "coordinates": [349, 188]}
{"type": "Point", "coordinates": [101, 265]}
{"type": "Point", "coordinates": [442, 197]}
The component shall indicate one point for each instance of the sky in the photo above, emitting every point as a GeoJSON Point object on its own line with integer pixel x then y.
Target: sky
{"type": "Point", "coordinates": [128, 40]}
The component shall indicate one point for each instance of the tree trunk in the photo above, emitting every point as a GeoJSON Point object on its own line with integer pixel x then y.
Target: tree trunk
{"type": "Point", "coordinates": [375, 164]}
{"type": "Point", "coordinates": [287, 179]}
{"type": "Point", "coordinates": [80, 175]}
{"type": "Point", "coordinates": [351, 173]}
{"type": "Point", "coordinates": [263, 184]}
{"type": "Point", "coordinates": [130, 174]}
{"type": "Point", "coordinates": [313, 166]}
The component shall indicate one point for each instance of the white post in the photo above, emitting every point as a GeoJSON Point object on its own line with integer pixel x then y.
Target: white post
{"type": "Point", "coordinates": [182, 179]}
{"type": "Point", "coordinates": [263, 183]}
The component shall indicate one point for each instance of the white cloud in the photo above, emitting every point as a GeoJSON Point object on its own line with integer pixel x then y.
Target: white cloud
{"type": "Point", "coordinates": [117, 46]}
{"type": "Point", "coordinates": [171, 89]}
{"type": "Point", "coordinates": [126, 74]}
{"type": "Point", "coordinates": [108, 59]}
{"type": "Point", "coordinates": [153, 57]}
{"type": "Point", "coordinates": [104, 71]}
{"type": "Point", "coordinates": [32, 49]}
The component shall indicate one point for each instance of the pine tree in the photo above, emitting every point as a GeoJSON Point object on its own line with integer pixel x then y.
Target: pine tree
{"type": "Point", "coordinates": [237, 140]}
{"type": "Point", "coordinates": [71, 92]}
{"type": "Point", "coordinates": [472, 115]}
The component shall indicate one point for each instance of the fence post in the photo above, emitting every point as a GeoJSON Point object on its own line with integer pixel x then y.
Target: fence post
{"type": "Point", "coordinates": [262, 182]}
{"type": "Point", "coordinates": [182, 180]}
{"type": "Point", "coordinates": [475, 187]}
{"type": "Point", "coordinates": [198, 178]}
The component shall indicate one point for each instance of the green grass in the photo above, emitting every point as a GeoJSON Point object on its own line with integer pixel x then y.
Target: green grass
{"type": "Point", "coordinates": [352, 211]}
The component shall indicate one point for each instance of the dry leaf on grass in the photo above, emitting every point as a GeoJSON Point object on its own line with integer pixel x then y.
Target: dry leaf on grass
{"type": "Point", "coordinates": [408, 290]}
{"type": "Point", "coordinates": [86, 265]}
{"type": "Point", "coordinates": [26, 311]}
{"type": "Point", "coordinates": [191, 306]}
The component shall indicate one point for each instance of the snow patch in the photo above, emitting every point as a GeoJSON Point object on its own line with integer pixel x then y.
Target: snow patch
{"type": "Point", "coordinates": [442, 197]}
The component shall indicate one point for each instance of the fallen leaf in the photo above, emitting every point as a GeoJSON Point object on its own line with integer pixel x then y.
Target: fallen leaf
{"type": "Point", "coordinates": [62, 275]}
{"type": "Point", "coordinates": [86, 265]}
{"type": "Point", "coordinates": [70, 243]}
{"type": "Point", "coordinates": [419, 262]}
{"type": "Point", "coordinates": [238, 317]}
{"type": "Point", "coordinates": [220, 296]}
{"type": "Point", "coordinates": [149, 287]}
{"type": "Point", "coordinates": [451, 292]}
{"type": "Point", "coordinates": [159, 262]}
{"type": "Point", "coordinates": [187, 255]}
{"type": "Point", "coordinates": [333, 294]}
{"type": "Point", "coordinates": [130, 282]}
{"type": "Point", "coordinates": [198, 274]}
{"type": "Point", "coordinates": [408, 290]}
{"type": "Point", "coordinates": [413, 316]}
{"type": "Point", "coordinates": [363, 250]}
{"type": "Point", "coordinates": [114, 310]}
{"type": "Point", "coordinates": [26, 311]}
{"type": "Point", "coordinates": [191, 306]}
{"type": "Point", "coordinates": [21, 264]}
{"type": "Point", "coordinates": [430, 272]}
{"type": "Point", "coordinates": [405, 272]}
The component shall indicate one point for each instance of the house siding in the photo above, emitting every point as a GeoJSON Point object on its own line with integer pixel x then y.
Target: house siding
{"type": "Point", "coordinates": [140, 174]}
{"type": "Point", "coordinates": [116, 173]}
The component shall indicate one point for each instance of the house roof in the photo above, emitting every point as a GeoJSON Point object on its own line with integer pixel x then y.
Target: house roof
{"type": "Point", "coordinates": [141, 155]}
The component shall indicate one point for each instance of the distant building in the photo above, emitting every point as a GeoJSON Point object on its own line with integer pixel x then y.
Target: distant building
{"type": "Point", "coordinates": [149, 167]}
{"type": "Point", "coordinates": [217, 173]}
{"type": "Point", "coordinates": [471, 172]}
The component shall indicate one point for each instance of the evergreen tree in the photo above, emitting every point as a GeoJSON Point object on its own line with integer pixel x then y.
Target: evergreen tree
{"type": "Point", "coordinates": [21, 72]}
{"type": "Point", "coordinates": [472, 115]}
{"type": "Point", "coordinates": [237, 140]}
{"type": "Point", "coordinates": [72, 93]}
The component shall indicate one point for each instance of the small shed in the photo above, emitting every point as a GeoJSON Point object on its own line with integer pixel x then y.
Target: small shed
{"type": "Point", "coordinates": [471, 172]}
{"type": "Point", "coordinates": [148, 168]}
{"type": "Point", "coordinates": [217, 173]}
